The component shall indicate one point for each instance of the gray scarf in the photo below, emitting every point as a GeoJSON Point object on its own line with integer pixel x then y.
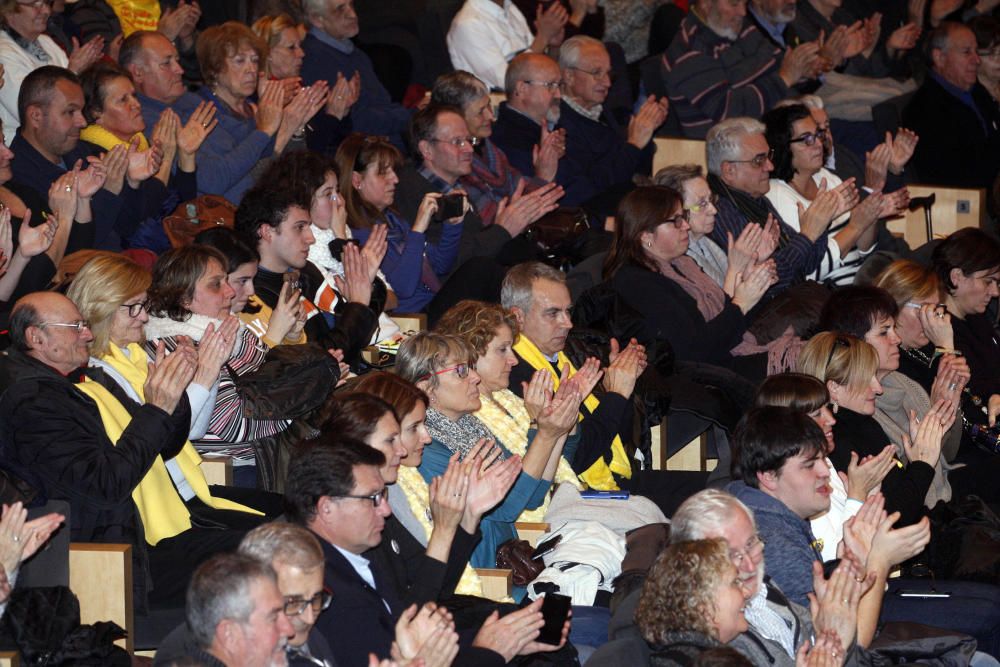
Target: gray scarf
{"type": "Point", "coordinates": [459, 436]}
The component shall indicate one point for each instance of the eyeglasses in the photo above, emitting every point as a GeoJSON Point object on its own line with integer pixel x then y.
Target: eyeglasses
{"type": "Point", "coordinates": [375, 498]}
{"type": "Point", "coordinates": [752, 549]}
{"type": "Point", "coordinates": [712, 199]}
{"type": "Point", "coordinates": [551, 85]}
{"type": "Point", "coordinates": [597, 73]}
{"type": "Point", "coordinates": [757, 160]}
{"type": "Point", "coordinates": [318, 602]}
{"type": "Point", "coordinates": [458, 142]}
{"type": "Point", "coordinates": [461, 370]}
{"type": "Point", "coordinates": [79, 326]}
{"type": "Point", "coordinates": [135, 308]}
{"type": "Point", "coordinates": [993, 53]}
{"type": "Point", "coordinates": [809, 138]}
{"type": "Point", "coordinates": [681, 218]}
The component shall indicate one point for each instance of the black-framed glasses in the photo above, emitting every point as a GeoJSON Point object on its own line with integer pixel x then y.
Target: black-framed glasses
{"type": "Point", "coordinates": [681, 218]}
{"type": "Point", "coordinates": [809, 138]}
{"type": "Point", "coordinates": [712, 199]}
{"type": "Point", "coordinates": [79, 325]}
{"type": "Point", "coordinates": [135, 308]}
{"type": "Point", "coordinates": [596, 73]}
{"type": "Point", "coordinates": [551, 85]}
{"type": "Point", "coordinates": [757, 160]}
{"type": "Point", "coordinates": [375, 498]}
{"type": "Point", "coordinates": [461, 370]}
{"type": "Point", "coordinates": [319, 602]}
{"type": "Point", "coordinates": [458, 142]}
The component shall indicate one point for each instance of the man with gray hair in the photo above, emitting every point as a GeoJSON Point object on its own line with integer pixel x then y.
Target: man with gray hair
{"type": "Point", "coordinates": [531, 111]}
{"type": "Point", "coordinates": [329, 51]}
{"type": "Point", "coordinates": [235, 614]}
{"type": "Point", "coordinates": [719, 65]}
{"type": "Point", "coordinates": [602, 156]}
{"type": "Point", "coordinates": [739, 170]}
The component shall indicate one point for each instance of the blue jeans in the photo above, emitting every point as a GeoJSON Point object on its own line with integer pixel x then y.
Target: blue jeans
{"type": "Point", "coordinates": [973, 609]}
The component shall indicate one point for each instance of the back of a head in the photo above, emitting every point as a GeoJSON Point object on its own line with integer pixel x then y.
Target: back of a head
{"type": "Point", "coordinates": [324, 468]}
{"type": "Point", "coordinates": [230, 244]}
{"type": "Point", "coordinates": [283, 542]}
{"type": "Point", "coordinates": [797, 391]}
{"type": "Point", "coordinates": [767, 437]}
{"type": "Point", "coordinates": [221, 589]}
{"type": "Point", "coordinates": [401, 394]}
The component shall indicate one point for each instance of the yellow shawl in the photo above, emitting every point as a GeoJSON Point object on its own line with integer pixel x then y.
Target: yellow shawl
{"type": "Point", "coordinates": [96, 134]}
{"type": "Point", "coordinates": [505, 415]}
{"type": "Point", "coordinates": [161, 508]}
{"type": "Point", "coordinates": [598, 476]}
{"type": "Point", "coordinates": [417, 494]}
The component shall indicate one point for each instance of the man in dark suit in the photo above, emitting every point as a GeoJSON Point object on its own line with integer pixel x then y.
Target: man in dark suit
{"type": "Point", "coordinates": [958, 142]}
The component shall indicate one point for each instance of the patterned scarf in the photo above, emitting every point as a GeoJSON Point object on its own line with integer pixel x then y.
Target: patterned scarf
{"type": "Point", "coordinates": [459, 436]}
{"type": "Point", "coordinates": [492, 178]}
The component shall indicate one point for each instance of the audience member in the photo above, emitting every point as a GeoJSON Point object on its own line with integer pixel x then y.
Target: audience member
{"type": "Point", "coordinates": [986, 92]}
{"type": "Point", "coordinates": [24, 47]}
{"type": "Point", "coordinates": [155, 66]}
{"type": "Point", "coordinates": [601, 155]}
{"type": "Point", "coordinates": [486, 34]}
{"type": "Point", "coordinates": [721, 66]}
{"type": "Point", "coordinates": [230, 57]}
{"type": "Point", "coordinates": [236, 614]}
{"type": "Point", "coordinates": [84, 463]}
{"type": "Point", "coordinates": [801, 186]}
{"type": "Point", "coordinates": [678, 303]}
{"type": "Point", "coordinates": [529, 114]}
{"type": "Point", "coordinates": [739, 168]}
{"type": "Point", "coordinates": [276, 222]}
{"type": "Point", "coordinates": [585, 17]}
{"type": "Point", "coordinates": [46, 148]}
{"type": "Point", "coordinates": [958, 146]}
{"type": "Point", "coordinates": [331, 55]}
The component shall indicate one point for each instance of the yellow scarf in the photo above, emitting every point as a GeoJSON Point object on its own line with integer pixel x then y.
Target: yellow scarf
{"type": "Point", "coordinates": [161, 508]}
{"type": "Point", "coordinates": [417, 493]}
{"type": "Point", "coordinates": [104, 138]}
{"type": "Point", "coordinates": [598, 476]}
{"type": "Point", "coordinates": [136, 14]}
{"type": "Point", "coordinates": [505, 415]}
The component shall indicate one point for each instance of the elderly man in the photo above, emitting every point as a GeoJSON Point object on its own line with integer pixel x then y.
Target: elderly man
{"type": "Point", "coordinates": [486, 34]}
{"type": "Point", "coordinates": [739, 169]}
{"type": "Point", "coordinates": [235, 614]}
{"type": "Point", "coordinates": [443, 144]}
{"type": "Point", "coordinates": [957, 146]}
{"type": "Point", "coordinates": [531, 111]}
{"type": "Point", "coordinates": [56, 439]}
{"type": "Point", "coordinates": [47, 145]}
{"type": "Point", "coordinates": [329, 51]}
{"type": "Point", "coordinates": [720, 66]}
{"type": "Point", "coordinates": [601, 155]}
{"type": "Point", "coordinates": [336, 490]}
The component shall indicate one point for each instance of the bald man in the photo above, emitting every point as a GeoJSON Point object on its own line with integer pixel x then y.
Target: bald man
{"type": "Point", "coordinates": [533, 96]}
{"type": "Point", "coordinates": [55, 437]}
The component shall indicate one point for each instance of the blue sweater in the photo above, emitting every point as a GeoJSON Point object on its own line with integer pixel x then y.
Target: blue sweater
{"type": "Point", "coordinates": [374, 112]}
{"type": "Point", "coordinates": [788, 542]}
{"type": "Point", "coordinates": [230, 152]}
{"type": "Point", "coordinates": [497, 525]}
{"type": "Point", "coordinates": [404, 260]}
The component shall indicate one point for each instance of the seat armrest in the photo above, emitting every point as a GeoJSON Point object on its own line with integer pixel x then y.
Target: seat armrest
{"type": "Point", "coordinates": [100, 575]}
{"type": "Point", "coordinates": [497, 584]}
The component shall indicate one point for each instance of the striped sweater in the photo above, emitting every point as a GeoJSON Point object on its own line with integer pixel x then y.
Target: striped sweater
{"type": "Point", "coordinates": [710, 78]}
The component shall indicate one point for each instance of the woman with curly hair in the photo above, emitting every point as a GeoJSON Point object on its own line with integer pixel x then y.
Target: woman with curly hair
{"type": "Point", "coordinates": [692, 601]}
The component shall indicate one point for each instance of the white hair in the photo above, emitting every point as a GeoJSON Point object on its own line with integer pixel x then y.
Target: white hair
{"type": "Point", "coordinates": [569, 52]}
{"type": "Point", "coordinates": [722, 144]}
{"type": "Point", "coordinates": [808, 101]}
{"type": "Point", "coordinates": [701, 515]}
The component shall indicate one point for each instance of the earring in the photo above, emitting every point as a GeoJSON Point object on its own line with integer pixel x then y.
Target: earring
{"type": "Point", "coordinates": [834, 407]}
{"type": "Point", "coordinates": [649, 244]}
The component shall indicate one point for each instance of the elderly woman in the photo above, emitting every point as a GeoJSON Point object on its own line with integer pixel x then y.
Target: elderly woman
{"type": "Point", "coordinates": [190, 297]}
{"type": "Point", "coordinates": [692, 601]}
{"type": "Point", "coordinates": [699, 201]}
{"type": "Point", "coordinates": [806, 194]}
{"type": "Point", "coordinates": [416, 268]}
{"type": "Point", "coordinates": [24, 47]}
{"type": "Point", "coordinates": [967, 264]}
{"type": "Point", "coordinates": [807, 394]}
{"type": "Point", "coordinates": [445, 368]}
{"type": "Point", "coordinates": [648, 269]}
{"type": "Point", "coordinates": [174, 500]}
{"type": "Point", "coordinates": [230, 57]}
{"type": "Point", "coordinates": [850, 368]}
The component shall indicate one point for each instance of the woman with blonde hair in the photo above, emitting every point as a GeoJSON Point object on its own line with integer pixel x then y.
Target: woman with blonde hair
{"type": "Point", "coordinates": [849, 367]}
